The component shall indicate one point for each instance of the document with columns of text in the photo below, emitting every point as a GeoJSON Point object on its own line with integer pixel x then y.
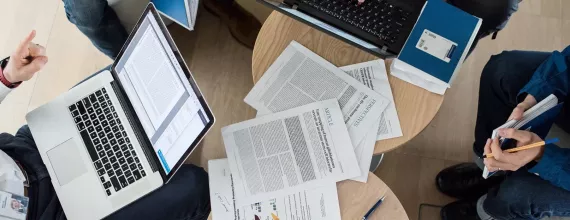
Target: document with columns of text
{"type": "Point", "coordinates": [282, 153]}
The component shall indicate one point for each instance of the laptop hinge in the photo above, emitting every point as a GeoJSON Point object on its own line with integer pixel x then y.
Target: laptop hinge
{"type": "Point", "coordinates": [139, 136]}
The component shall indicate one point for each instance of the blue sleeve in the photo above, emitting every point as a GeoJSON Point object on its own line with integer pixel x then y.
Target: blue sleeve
{"type": "Point", "coordinates": [554, 166]}
{"type": "Point", "coordinates": [551, 77]}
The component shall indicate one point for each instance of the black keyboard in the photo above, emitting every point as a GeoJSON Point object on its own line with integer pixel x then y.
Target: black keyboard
{"type": "Point", "coordinates": [377, 21]}
{"type": "Point", "coordinates": [106, 141]}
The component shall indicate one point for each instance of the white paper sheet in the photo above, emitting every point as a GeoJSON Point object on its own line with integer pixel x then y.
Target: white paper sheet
{"type": "Point", "coordinates": [364, 152]}
{"type": "Point", "coordinates": [297, 149]}
{"type": "Point", "coordinates": [192, 11]}
{"type": "Point", "coordinates": [316, 204]}
{"type": "Point", "coordinates": [373, 75]}
{"type": "Point", "coordinates": [417, 77]}
{"type": "Point", "coordinates": [299, 77]}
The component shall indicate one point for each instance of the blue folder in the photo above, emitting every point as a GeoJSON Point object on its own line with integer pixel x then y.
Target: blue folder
{"type": "Point", "coordinates": [448, 23]}
{"type": "Point", "coordinates": [175, 10]}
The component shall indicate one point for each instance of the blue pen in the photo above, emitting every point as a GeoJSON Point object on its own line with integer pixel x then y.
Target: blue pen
{"type": "Point", "coordinates": [373, 208]}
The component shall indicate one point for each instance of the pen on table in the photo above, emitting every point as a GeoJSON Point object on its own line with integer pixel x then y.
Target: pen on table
{"type": "Point", "coordinates": [373, 208]}
{"type": "Point", "coordinates": [526, 147]}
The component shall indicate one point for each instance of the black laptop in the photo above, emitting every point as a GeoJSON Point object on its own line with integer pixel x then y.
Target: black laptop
{"type": "Point", "coordinates": [380, 27]}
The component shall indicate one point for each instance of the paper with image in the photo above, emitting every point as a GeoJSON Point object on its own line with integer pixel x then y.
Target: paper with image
{"type": "Point", "coordinates": [373, 75]}
{"type": "Point", "coordinates": [316, 204]}
{"type": "Point", "coordinates": [289, 151]}
{"type": "Point", "coordinates": [13, 206]}
{"type": "Point", "coordinates": [299, 77]}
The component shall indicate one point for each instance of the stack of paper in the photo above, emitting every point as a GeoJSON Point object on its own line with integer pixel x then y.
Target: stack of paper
{"type": "Point", "coordinates": [317, 125]}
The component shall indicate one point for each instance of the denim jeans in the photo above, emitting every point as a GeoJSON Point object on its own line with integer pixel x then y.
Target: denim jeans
{"type": "Point", "coordinates": [185, 197]}
{"type": "Point", "coordinates": [99, 23]}
{"type": "Point", "coordinates": [522, 195]}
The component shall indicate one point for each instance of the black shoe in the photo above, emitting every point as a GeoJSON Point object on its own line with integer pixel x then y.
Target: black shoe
{"type": "Point", "coordinates": [465, 180]}
{"type": "Point", "coordinates": [460, 210]}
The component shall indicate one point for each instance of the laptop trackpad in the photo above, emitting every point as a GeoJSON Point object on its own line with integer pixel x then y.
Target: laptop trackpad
{"type": "Point", "coordinates": [66, 162]}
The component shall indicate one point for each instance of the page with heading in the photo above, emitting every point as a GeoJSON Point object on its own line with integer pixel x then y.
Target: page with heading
{"type": "Point", "coordinates": [320, 203]}
{"type": "Point", "coordinates": [299, 77]}
{"type": "Point", "coordinates": [373, 75]}
{"type": "Point", "coordinates": [293, 150]}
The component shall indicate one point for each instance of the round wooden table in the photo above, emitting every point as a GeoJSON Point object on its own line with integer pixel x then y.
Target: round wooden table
{"type": "Point", "coordinates": [416, 107]}
{"type": "Point", "coordinates": [357, 198]}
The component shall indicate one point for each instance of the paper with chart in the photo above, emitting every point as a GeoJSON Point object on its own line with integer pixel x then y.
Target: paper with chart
{"type": "Point", "coordinates": [373, 75]}
{"type": "Point", "coordinates": [320, 203]}
{"type": "Point", "coordinates": [299, 77]}
{"type": "Point", "coordinates": [289, 151]}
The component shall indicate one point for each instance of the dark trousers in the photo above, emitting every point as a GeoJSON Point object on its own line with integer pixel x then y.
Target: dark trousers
{"type": "Point", "coordinates": [494, 13]}
{"type": "Point", "coordinates": [185, 197]}
{"type": "Point", "coordinates": [521, 195]}
{"type": "Point", "coordinates": [501, 80]}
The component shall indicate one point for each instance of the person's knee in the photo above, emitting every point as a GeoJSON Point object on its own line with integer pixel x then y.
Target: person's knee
{"type": "Point", "coordinates": [503, 72]}
{"type": "Point", "coordinates": [509, 200]}
{"type": "Point", "coordinates": [516, 196]}
{"type": "Point", "coordinates": [494, 13]}
{"type": "Point", "coordinates": [493, 72]}
{"type": "Point", "coordinates": [85, 13]}
{"type": "Point", "coordinates": [196, 179]}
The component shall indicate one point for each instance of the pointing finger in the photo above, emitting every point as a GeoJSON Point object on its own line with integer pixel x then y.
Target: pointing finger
{"type": "Point", "coordinates": [22, 50]}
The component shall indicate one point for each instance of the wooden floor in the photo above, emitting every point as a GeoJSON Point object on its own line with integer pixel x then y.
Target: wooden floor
{"type": "Point", "coordinates": [222, 68]}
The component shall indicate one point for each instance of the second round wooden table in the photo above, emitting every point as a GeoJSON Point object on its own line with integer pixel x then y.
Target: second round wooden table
{"type": "Point", "coordinates": [416, 107]}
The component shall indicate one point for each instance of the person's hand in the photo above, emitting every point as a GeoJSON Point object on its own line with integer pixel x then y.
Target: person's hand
{"type": "Point", "coordinates": [28, 59]}
{"type": "Point", "coordinates": [518, 112]}
{"type": "Point", "coordinates": [512, 161]}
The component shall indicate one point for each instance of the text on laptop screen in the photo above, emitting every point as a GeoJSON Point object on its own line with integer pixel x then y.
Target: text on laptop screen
{"type": "Point", "coordinates": [166, 104]}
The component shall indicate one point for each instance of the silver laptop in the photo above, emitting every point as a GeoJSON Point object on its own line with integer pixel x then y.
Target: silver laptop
{"type": "Point", "coordinates": [124, 132]}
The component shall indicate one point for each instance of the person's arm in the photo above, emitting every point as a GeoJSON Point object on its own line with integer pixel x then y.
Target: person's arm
{"type": "Point", "coordinates": [551, 77]}
{"type": "Point", "coordinates": [28, 59]}
{"type": "Point", "coordinates": [554, 166]}
{"type": "Point", "coordinates": [552, 162]}
{"type": "Point", "coordinates": [4, 90]}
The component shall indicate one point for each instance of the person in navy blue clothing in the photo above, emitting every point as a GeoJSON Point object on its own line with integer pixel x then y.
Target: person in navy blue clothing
{"type": "Point", "coordinates": [533, 183]}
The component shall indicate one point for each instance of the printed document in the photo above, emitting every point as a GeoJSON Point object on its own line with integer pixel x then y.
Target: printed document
{"type": "Point", "coordinates": [320, 203]}
{"type": "Point", "coordinates": [298, 149]}
{"type": "Point", "coordinates": [373, 75]}
{"type": "Point", "coordinates": [364, 152]}
{"type": "Point", "coordinates": [299, 77]}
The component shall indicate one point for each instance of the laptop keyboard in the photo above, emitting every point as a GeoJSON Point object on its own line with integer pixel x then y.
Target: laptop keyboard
{"type": "Point", "coordinates": [106, 141]}
{"type": "Point", "coordinates": [376, 17]}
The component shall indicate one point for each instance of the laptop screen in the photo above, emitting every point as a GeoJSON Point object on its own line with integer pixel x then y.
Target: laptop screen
{"type": "Point", "coordinates": [166, 104]}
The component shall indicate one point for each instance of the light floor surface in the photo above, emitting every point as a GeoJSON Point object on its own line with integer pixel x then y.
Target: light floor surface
{"type": "Point", "coordinates": [222, 68]}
